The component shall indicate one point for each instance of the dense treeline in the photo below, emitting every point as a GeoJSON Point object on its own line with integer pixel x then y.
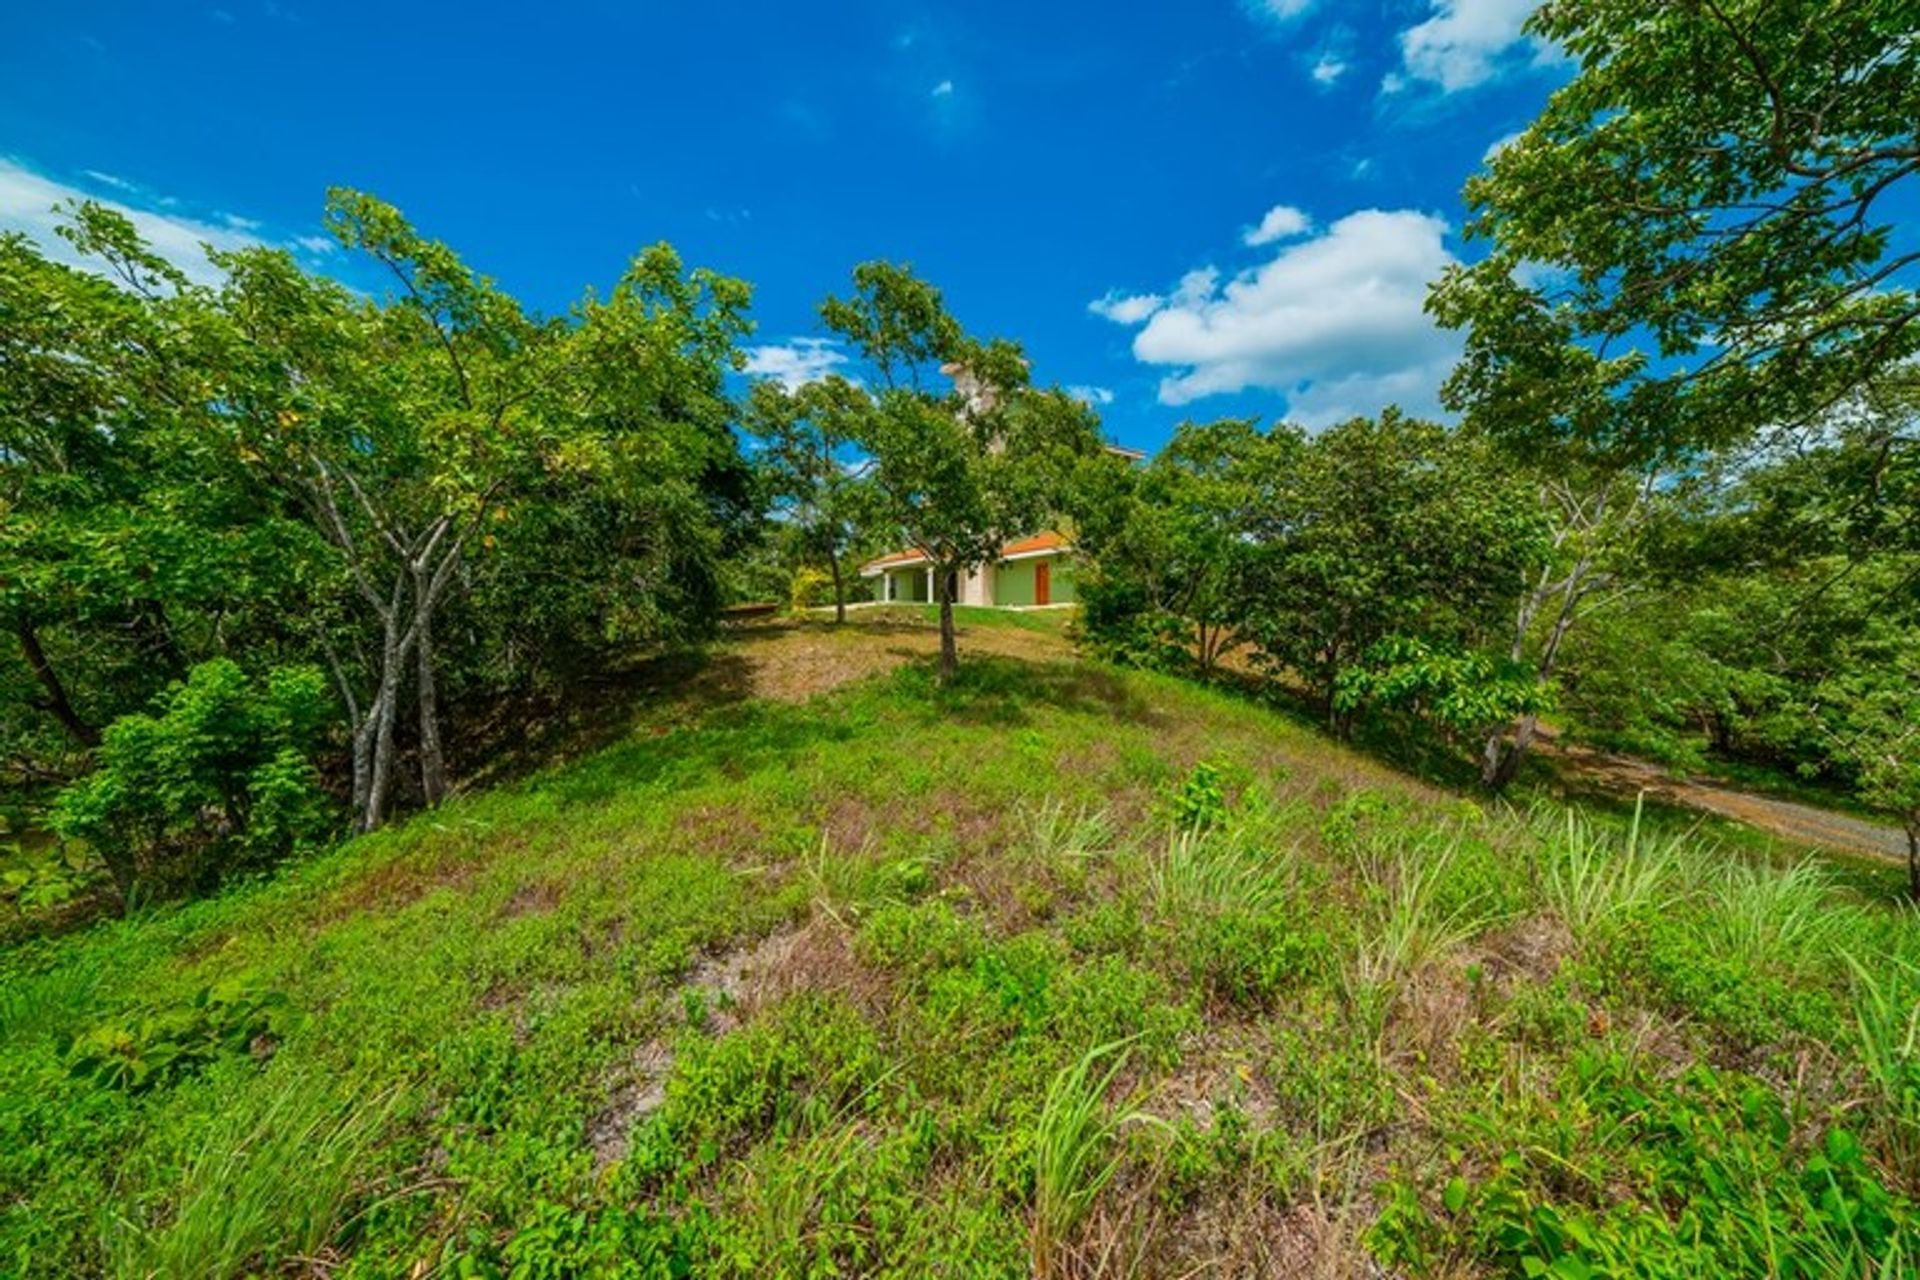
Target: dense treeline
{"type": "Point", "coordinates": [265, 540]}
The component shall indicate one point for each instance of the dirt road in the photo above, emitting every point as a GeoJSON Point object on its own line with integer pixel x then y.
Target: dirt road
{"type": "Point", "coordinates": [1622, 775]}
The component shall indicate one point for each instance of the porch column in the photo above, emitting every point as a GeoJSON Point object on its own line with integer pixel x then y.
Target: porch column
{"type": "Point", "coordinates": [930, 596]}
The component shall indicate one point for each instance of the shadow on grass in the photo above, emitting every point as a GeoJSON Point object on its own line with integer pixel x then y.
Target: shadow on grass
{"type": "Point", "coordinates": [1003, 691]}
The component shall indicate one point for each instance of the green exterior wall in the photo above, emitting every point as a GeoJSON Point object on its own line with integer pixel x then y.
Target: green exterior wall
{"type": "Point", "coordinates": [1013, 582]}
{"type": "Point", "coordinates": [911, 585]}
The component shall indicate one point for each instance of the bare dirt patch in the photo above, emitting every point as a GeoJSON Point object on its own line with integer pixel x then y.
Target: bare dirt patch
{"type": "Point", "coordinates": [797, 661]}
{"type": "Point", "coordinates": [729, 988]}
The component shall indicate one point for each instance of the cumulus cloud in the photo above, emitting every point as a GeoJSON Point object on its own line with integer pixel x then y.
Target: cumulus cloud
{"type": "Point", "coordinates": [1500, 144]}
{"type": "Point", "coordinates": [1467, 42]}
{"type": "Point", "coordinates": [1334, 323]}
{"type": "Point", "coordinates": [28, 199]}
{"type": "Point", "coordinates": [1329, 68]}
{"type": "Point", "coordinates": [794, 364]}
{"type": "Point", "coordinates": [1091, 395]}
{"type": "Point", "coordinates": [1277, 10]}
{"type": "Point", "coordinates": [1282, 222]}
{"type": "Point", "coordinates": [1126, 308]}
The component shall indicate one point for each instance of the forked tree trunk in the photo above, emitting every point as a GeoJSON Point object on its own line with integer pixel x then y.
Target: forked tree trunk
{"type": "Point", "coordinates": [433, 762]}
{"type": "Point", "coordinates": [378, 728]}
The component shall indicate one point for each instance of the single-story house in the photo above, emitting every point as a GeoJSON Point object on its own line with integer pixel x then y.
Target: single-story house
{"type": "Point", "coordinates": [1029, 573]}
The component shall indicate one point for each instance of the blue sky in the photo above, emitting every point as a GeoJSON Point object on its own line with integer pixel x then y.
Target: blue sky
{"type": "Point", "coordinates": [1186, 209]}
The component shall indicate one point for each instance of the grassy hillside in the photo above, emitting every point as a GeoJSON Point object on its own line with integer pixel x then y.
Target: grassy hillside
{"type": "Point", "coordinates": [1064, 970]}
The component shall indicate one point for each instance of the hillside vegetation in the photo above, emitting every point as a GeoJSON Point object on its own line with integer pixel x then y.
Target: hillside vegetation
{"type": "Point", "coordinates": [1056, 969]}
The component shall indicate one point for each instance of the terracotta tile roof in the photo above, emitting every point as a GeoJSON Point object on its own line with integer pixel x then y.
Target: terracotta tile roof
{"type": "Point", "coordinates": [894, 559]}
{"type": "Point", "coordinates": [1049, 541]}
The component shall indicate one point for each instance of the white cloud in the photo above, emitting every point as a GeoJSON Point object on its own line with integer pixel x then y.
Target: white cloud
{"type": "Point", "coordinates": [1277, 10]}
{"type": "Point", "coordinates": [1500, 144]}
{"type": "Point", "coordinates": [1127, 309]}
{"type": "Point", "coordinates": [1328, 69]}
{"type": "Point", "coordinates": [1333, 323]}
{"type": "Point", "coordinates": [1464, 43]}
{"type": "Point", "coordinates": [109, 180]}
{"type": "Point", "coordinates": [944, 89]}
{"type": "Point", "coordinates": [1282, 222]}
{"type": "Point", "coordinates": [794, 364]}
{"type": "Point", "coordinates": [28, 199]}
{"type": "Point", "coordinates": [1090, 395]}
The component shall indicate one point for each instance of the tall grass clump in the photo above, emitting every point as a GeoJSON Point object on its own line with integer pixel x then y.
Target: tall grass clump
{"type": "Point", "coordinates": [268, 1182]}
{"type": "Point", "coordinates": [1056, 834]}
{"type": "Point", "coordinates": [1414, 923]}
{"type": "Point", "coordinates": [1201, 872]}
{"type": "Point", "coordinates": [1590, 883]}
{"type": "Point", "coordinates": [1074, 1155]}
{"type": "Point", "coordinates": [1759, 915]}
{"type": "Point", "coordinates": [1886, 1001]}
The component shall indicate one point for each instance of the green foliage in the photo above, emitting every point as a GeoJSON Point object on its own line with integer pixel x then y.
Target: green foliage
{"type": "Point", "coordinates": [219, 778]}
{"type": "Point", "coordinates": [1668, 305]}
{"type": "Point", "coordinates": [1074, 1156]}
{"type": "Point", "coordinates": [1754, 1200]}
{"type": "Point", "coordinates": [1200, 802]}
{"type": "Point", "coordinates": [274, 1178]}
{"type": "Point", "coordinates": [1465, 695]}
{"type": "Point", "coordinates": [155, 1047]}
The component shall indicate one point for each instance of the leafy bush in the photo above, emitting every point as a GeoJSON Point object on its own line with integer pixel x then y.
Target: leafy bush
{"type": "Point", "coordinates": [157, 1046]}
{"type": "Point", "coordinates": [1201, 801]}
{"type": "Point", "coordinates": [1726, 1188]}
{"type": "Point", "coordinates": [220, 776]}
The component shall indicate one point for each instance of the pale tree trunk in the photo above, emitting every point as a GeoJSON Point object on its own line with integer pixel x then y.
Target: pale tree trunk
{"type": "Point", "coordinates": [378, 726]}
{"type": "Point", "coordinates": [1594, 524]}
{"type": "Point", "coordinates": [433, 763]}
{"type": "Point", "coordinates": [1506, 748]}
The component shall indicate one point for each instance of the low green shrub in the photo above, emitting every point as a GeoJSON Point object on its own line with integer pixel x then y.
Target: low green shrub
{"type": "Point", "coordinates": [219, 778]}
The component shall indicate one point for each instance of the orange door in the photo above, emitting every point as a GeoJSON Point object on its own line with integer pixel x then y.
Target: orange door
{"type": "Point", "coordinates": [1042, 583]}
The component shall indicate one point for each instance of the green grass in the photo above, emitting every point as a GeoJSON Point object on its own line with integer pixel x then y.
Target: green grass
{"type": "Point", "coordinates": [774, 989]}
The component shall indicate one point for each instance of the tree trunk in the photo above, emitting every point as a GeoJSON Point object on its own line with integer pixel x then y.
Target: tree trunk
{"type": "Point", "coordinates": [949, 652]}
{"type": "Point", "coordinates": [1500, 762]}
{"type": "Point", "coordinates": [56, 703]}
{"type": "Point", "coordinates": [381, 715]}
{"type": "Point", "coordinates": [1913, 856]}
{"type": "Point", "coordinates": [839, 590]}
{"type": "Point", "coordinates": [433, 762]}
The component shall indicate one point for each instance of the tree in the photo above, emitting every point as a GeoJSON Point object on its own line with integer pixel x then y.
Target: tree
{"type": "Point", "coordinates": [398, 431]}
{"type": "Point", "coordinates": [279, 469]}
{"type": "Point", "coordinates": [1872, 719]}
{"type": "Point", "coordinates": [1595, 517]}
{"type": "Point", "coordinates": [1699, 236]}
{"type": "Point", "coordinates": [1166, 546]}
{"type": "Point", "coordinates": [1376, 529]}
{"type": "Point", "coordinates": [820, 491]}
{"type": "Point", "coordinates": [957, 472]}
{"type": "Point", "coordinates": [132, 546]}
